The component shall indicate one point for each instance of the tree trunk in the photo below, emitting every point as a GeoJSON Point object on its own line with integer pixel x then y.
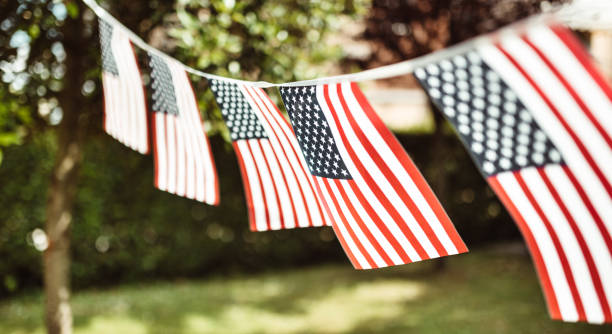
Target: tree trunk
{"type": "Point", "coordinates": [64, 178]}
{"type": "Point", "coordinates": [601, 48]}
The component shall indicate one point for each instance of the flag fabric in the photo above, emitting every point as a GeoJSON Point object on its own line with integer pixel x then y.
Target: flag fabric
{"type": "Point", "coordinates": [382, 210]}
{"type": "Point", "coordinates": [279, 191]}
{"type": "Point", "coordinates": [537, 118]}
{"type": "Point", "coordinates": [125, 111]}
{"type": "Point", "coordinates": [183, 161]}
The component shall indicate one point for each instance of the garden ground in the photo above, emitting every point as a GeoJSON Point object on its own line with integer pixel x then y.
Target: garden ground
{"type": "Point", "coordinates": [485, 291]}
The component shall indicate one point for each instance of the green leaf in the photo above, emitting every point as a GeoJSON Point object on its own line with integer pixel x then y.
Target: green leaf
{"type": "Point", "coordinates": [73, 9]}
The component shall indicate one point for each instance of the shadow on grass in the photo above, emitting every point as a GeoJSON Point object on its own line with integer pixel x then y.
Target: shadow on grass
{"type": "Point", "coordinates": [482, 292]}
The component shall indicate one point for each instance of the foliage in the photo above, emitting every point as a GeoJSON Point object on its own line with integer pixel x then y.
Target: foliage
{"type": "Point", "coordinates": [126, 230]}
{"type": "Point", "coordinates": [484, 292]}
{"type": "Point", "coordinates": [123, 228]}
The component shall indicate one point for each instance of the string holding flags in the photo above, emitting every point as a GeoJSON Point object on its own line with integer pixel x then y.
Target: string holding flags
{"type": "Point", "coordinates": [526, 101]}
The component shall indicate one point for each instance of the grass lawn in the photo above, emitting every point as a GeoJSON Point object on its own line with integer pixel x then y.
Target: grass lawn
{"type": "Point", "coordinates": [480, 292]}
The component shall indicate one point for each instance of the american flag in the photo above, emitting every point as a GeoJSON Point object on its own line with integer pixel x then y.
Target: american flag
{"type": "Point", "coordinates": [537, 117]}
{"type": "Point", "coordinates": [382, 210]}
{"type": "Point", "coordinates": [125, 111]}
{"type": "Point", "coordinates": [183, 161]}
{"type": "Point", "coordinates": [280, 193]}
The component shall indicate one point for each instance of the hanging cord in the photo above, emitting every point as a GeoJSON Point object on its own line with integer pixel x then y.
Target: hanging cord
{"type": "Point", "coordinates": [583, 9]}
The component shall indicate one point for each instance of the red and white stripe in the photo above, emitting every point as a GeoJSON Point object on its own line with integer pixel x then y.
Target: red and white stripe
{"type": "Point", "coordinates": [183, 160]}
{"type": "Point", "coordinates": [565, 212]}
{"type": "Point", "coordinates": [387, 214]}
{"type": "Point", "coordinates": [279, 189]}
{"type": "Point", "coordinates": [125, 110]}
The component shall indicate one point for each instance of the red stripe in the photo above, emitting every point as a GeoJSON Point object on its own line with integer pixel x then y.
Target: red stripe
{"type": "Point", "coordinates": [562, 120]}
{"type": "Point", "coordinates": [186, 156]}
{"type": "Point", "coordinates": [283, 124]}
{"type": "Point", "coordinates": [549, 292]}
{"type": "Point", "coordinates": [291, 199]}
{"type": "Point", "coordinates": [155, 153]}
{"type": "Point", "coordinates": [275, 190]}
{"type": "Point", "coordinates": [176, 151]}
{"type": "Point", "coordinates": [296, 157]}
{"type": "Point", "coordinates": [373, 186]}
{"type": "Point", "coordinates": [347, 250]}
{"type": "Point", "coordinates": [169, 160]}
{"type": "Point", "coordinates": [383, 228]}
{"type": "Point", "coordinates": [555, 239]}
{"type": "Point", "coordinates": [583, 57]}
{"type": "Point", "coordinates": [105, 106]}
{"type": "Point", "coordinates": [346, 224]}
{"type": "Point", "coordinates": [283, 171]}
{"type": "Point", "coordinates": [386, 171]}
{"type": "Point", "coordinates": [361, 224]}
{"type": "Point", "coordinates": [583, 246]}
{"type": "Point", "coordinates": [410, 168]}
{"type": "Point", "coordinates": [191, 146]}
{"type": "Point", "coordinates": [247, 189]}
{"type": "Point", "coordinates": [263, 197]}
{"type": "Point", "coordinates": [572, 92]}
{"type": "Point", "coordinates": [587, 202]}
{"type": "Point", "coordinates": [144, 100]}
{"type": "Point", "coordinates": [206, 156]}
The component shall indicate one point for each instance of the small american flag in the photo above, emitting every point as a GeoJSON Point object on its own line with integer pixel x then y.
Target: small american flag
{"type": "Point", "coordinates": [383, 211]}
{"type": "Point", "coordinates": [183, 161]}
{"type": "Point", "coordinates": [280, 193]}
{"type": "Point", "coordinates": [537, 117]}
{"type": "Point", "coordinates": [125, 111]}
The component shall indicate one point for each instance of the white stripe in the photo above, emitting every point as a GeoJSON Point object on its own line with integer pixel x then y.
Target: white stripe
{"type": "Point", "coordinates": [569, 244]}
{"type": "Point", "coordinates": [127, 82]}
{"type": "Point", "coordinates": [563, 101]}
{"type": "Point", "coordinates": [185, 107]}
{"type": "Point", "coordinates": [171, 141]}
{"type": "Point", "coordinates": [380, 179]}
{"type": "Point", "coordinates": [566, 63]}
{"type": "Point", "coordinates": [341, 228]}
{"type": "Point", "coordinates": [268, 185]}
{"type": "Point", "coordinates": [205, 191]}
{"type": "Point", "coordinates": [281, 188]}
{"type": "Point", "coordinates": [161, 158]}
{"type": "Point", "coordinates": [296, 158]}
{"type": "Point", "coordinates": [555, 131]}
{"type": "Point", "coordinates": [180, 157]}
{"type": "Point", "coordinates": [370, 224]}
{"type": "Point", "coordinates": [107, 84]}
{"type": "Point", "coordinates": [253, 181]}
{"type": "Point", "coordinates": [363, 186]}
{"type": "Point", "coordinates": [283, 145]}
{"type": "Point", "coordinates": [363, 239]}
{"type": "Point", "coordinates": [550, 257]}
{"type": "Point", "coordinates": [390, 158]}
{"type": "Point", "coordinates": [591, 233]}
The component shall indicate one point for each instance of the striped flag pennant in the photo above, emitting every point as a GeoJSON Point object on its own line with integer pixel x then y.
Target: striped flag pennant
{"type": "Point", "coordinates": [125, 111]}
{"type": "Point", "coordinates": [537, 118]}
{"type": "Point", "coordinates": [280, 192]}
{"type": "Point", "coordinates": [183, 161]}
{"type": "Point", "coordinates": [381, 208]}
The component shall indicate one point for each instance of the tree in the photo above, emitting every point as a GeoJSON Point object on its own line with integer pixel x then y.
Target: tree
{"type": "Point", "coordinates": [51, 69]}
